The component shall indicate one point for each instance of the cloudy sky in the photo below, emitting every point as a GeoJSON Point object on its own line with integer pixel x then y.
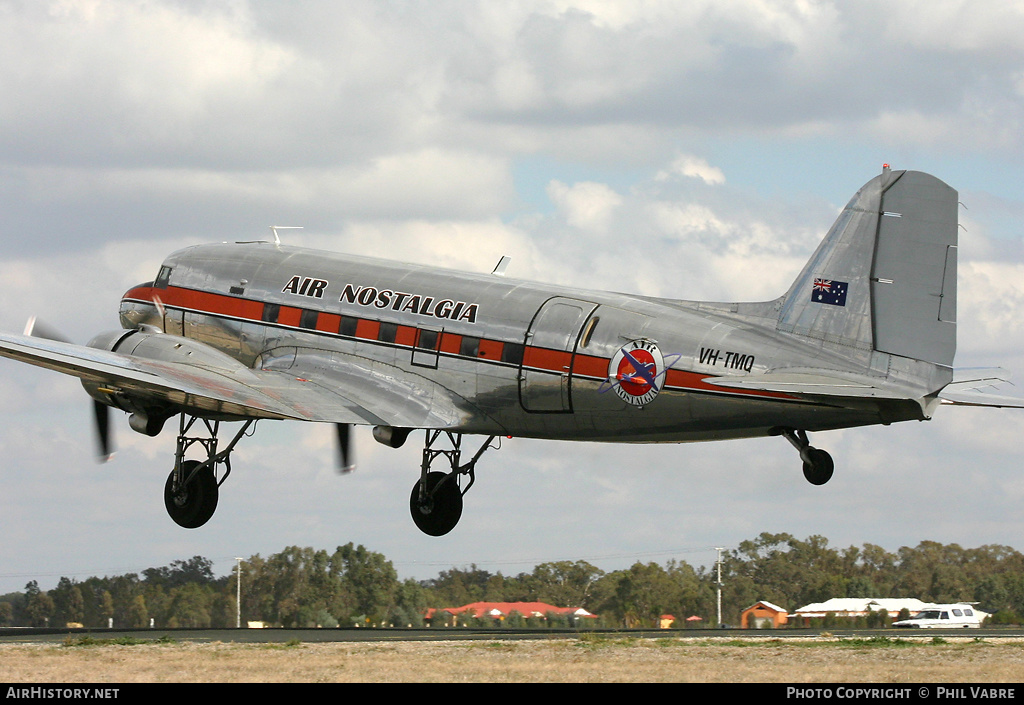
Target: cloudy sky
{"type": "Point", "coordinates": [722, 138]}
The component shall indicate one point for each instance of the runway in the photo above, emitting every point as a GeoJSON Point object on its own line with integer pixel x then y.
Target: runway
{"type": "Point", "coordinates": [11, 635]}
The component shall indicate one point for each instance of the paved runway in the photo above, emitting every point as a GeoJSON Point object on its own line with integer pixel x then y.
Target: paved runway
{"type": "Point", "coordinates": [9, 635]}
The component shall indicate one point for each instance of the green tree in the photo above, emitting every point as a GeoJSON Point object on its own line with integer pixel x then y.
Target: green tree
{"type": "Point", "coordinates": [190, 607]}
{"type": "Point", "coordinates": [194, 570]}
{"type": "Point", "coordinates": [68, 603]}
{"type": "Point", "coordinates": [565, 583]}
{"type": "Point", "coordinates": [137, 615]}
{"type": "Point", "coordinates": [39, 605]}
{"type": "Point", "coordinates": [370, 578]}
{"type": "Point", "coordinates": [460, 586]}
{"type": "Point", "coordinates": [641, 595]}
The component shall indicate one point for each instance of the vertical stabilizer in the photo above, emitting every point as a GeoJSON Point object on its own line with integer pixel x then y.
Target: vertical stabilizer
{"type": "Point", "coordinates": [884, 277]}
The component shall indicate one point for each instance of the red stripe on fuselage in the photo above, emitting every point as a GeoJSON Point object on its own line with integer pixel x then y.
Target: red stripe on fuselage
{"type": "Point", "coordinates": [542, 359]}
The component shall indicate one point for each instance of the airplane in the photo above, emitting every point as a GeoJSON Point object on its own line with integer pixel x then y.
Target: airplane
{"type": "Point", "coordinates": [257, 330]}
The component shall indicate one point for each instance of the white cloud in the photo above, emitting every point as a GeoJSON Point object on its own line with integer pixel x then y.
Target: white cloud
{"type": "Point", "coordinates": [467, 245]}
{"type": "Point", "coordinates": [688, 165]}
{"type": "Point", "coordinates": [990, 299]}
{"type": "Point", "coordinates": [585, 205]}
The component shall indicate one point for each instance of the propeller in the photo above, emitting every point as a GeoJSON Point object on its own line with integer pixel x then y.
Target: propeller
{"type": "Point", "coordinates": [346, 461]}
{"type": "Point", "coordinates": [101, 412]}
{"type": "Point", "coordinates": [104, 442]}
{"type": "Point", "coordinates": [37, 329]}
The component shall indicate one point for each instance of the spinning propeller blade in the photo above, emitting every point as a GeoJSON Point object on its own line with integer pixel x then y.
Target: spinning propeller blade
{"type": "Point", "coordinates": [41, 330]}
{"type": "Point", "coordinates": [346, 462]}
{"type": "Point", "coordinates": [101, 412]}
{"type": "Point", "coordinates": [105, 446]}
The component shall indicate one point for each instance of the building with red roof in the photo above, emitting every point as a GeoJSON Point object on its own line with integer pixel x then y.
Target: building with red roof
{"type": "Point", "coordinates": [502, 610]}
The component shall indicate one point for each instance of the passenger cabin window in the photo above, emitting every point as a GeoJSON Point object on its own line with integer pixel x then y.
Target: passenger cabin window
{"type": "Point", "coordinates": [308, 319]}
{"type": "Point", "coordinates": [428, 340]}
{"type": "Point", "coordinates": [512, 353]}
{"type": "Point", "coordinates": [348, 326]}
{"type": "Point", "coordinates": [470, 347]}
{"type": "Point", "coordinates": [271, 312]}
{"type": "Point", "coordinates": [162, 278]}
{"type": "Point", "coordinates": [387, 333]}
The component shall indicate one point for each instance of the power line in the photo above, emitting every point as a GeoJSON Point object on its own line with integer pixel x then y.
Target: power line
{"type": "Point", "coordinates": [538, 561]}
{"type": "Point", "coordinates": [497, 562]}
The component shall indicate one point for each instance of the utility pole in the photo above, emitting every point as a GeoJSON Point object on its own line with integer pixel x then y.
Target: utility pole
{"type": "Point", "coordinates": [238, 595]}
{"type": "Point", "coordinates": [718, 585]}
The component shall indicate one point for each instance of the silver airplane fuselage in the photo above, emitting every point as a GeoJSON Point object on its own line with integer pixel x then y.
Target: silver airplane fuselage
{"type": "Point", "coordinates": [522, 359]}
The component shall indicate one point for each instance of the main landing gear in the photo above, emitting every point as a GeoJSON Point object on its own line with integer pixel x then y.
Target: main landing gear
{"type": "Point", "coordinates": [192, 488]}
{"type": "Point", "coordinates": [818, 464]}
{"type": "Point", "coordinates": [436, 500]}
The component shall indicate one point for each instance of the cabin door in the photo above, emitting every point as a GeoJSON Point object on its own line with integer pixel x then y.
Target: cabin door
{"type": "Point", "coordinates": [545, 381]}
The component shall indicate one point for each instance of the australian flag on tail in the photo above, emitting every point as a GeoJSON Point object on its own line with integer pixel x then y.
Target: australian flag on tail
{"type": "Point", "coordinates": [829, 291]}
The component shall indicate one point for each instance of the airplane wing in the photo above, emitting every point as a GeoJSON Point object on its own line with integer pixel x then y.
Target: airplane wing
{"type": "Point", "coordinates": [351, 391]}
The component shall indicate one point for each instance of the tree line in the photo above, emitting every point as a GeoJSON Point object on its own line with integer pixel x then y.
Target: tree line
{"type": "Point", "coordinates": [354, 586]}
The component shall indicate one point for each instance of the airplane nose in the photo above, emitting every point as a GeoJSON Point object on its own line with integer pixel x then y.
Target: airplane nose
{"type": "Point", "coordinates": [138, 292]}
{"type": "Point", "coordinates": [140, 306]}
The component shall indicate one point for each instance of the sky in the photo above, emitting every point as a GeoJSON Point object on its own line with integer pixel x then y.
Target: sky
{"type": "Point", "coordinates": [722, 139]}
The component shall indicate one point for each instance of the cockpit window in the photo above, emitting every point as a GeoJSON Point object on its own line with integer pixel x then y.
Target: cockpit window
{"type": "Point", "coordinates": [163, 278]}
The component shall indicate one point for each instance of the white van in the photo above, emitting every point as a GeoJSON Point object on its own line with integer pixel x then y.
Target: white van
{"type": "Point", "coordinates": [943, 617]}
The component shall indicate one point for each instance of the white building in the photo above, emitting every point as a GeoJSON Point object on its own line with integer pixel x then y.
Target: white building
{"type": "Point", "coordinates": [859, 607]}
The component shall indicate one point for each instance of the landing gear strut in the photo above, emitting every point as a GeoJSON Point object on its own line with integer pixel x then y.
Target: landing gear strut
{"type": "Point", "coordinates": [818, 464]}
{"type": "Point", "coordinates": [192, 488]}
{"type": "Point", "coordinates": [436, 500]}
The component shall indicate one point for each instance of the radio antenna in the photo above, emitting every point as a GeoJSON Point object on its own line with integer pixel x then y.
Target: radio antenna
{"type": "Point", "coordinates": [275, 228]}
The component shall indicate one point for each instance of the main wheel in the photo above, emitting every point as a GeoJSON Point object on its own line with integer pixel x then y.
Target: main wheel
{"type": "Point", "coordinates": [818, 466]}
{"type": "Point", "coordinates": [195, 501]}
{"type": "Point", "coordinates": [441, 506]}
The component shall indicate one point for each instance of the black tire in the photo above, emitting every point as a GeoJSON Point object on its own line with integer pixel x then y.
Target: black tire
{"type": "Point", "coordinates": [818, 467]}
{"type": "Point", "coordinates": [194, 504]}
{"type": "Point", "coordinates": [441, 509]}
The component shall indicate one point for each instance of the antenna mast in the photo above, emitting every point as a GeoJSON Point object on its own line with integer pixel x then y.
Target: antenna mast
{"type": "Point", "coordinates": [275, 228]}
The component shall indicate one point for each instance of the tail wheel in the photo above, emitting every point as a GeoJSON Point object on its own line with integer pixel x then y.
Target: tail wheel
{"type": "Point", "coordinates": [818, 466]}
{"type": "Point", "coordinates": [193, 503]}
{"type": "Point", "coordinates": [437, 509]}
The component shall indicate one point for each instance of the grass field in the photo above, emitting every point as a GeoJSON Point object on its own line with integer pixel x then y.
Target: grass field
{"type": "Point", "coordinates": [583, 660]}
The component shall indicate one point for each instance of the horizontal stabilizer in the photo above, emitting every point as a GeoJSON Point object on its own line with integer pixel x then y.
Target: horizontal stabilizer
{"type": "Point", "coordinates": [816, 382]}
{"type": "Point", "coordinates": [967, 385]}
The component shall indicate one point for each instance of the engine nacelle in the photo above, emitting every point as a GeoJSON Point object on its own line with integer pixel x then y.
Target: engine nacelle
{"type": "Point", "coordinates": [391, 436]}
{"type": "Point", "coordinates": [148, 413]}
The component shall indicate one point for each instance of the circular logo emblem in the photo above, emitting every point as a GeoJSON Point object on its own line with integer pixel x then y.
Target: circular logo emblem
{"type": "Point", "coordinates": [635, 372]}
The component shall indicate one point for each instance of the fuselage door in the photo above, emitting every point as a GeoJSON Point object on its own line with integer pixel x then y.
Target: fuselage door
{"type": "Point", "coordinates": [545, 383]}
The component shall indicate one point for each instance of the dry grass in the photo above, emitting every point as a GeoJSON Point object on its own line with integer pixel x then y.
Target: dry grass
{"type": "Point", "coordinates": [824, 660]}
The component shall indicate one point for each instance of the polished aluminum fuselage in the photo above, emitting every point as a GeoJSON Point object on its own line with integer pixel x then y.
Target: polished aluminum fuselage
{"type": "Point", "coordinates": [515, 357]}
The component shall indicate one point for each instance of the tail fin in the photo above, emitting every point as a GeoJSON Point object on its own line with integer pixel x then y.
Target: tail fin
{"type": "Point", "coordinates": [884, 278]}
